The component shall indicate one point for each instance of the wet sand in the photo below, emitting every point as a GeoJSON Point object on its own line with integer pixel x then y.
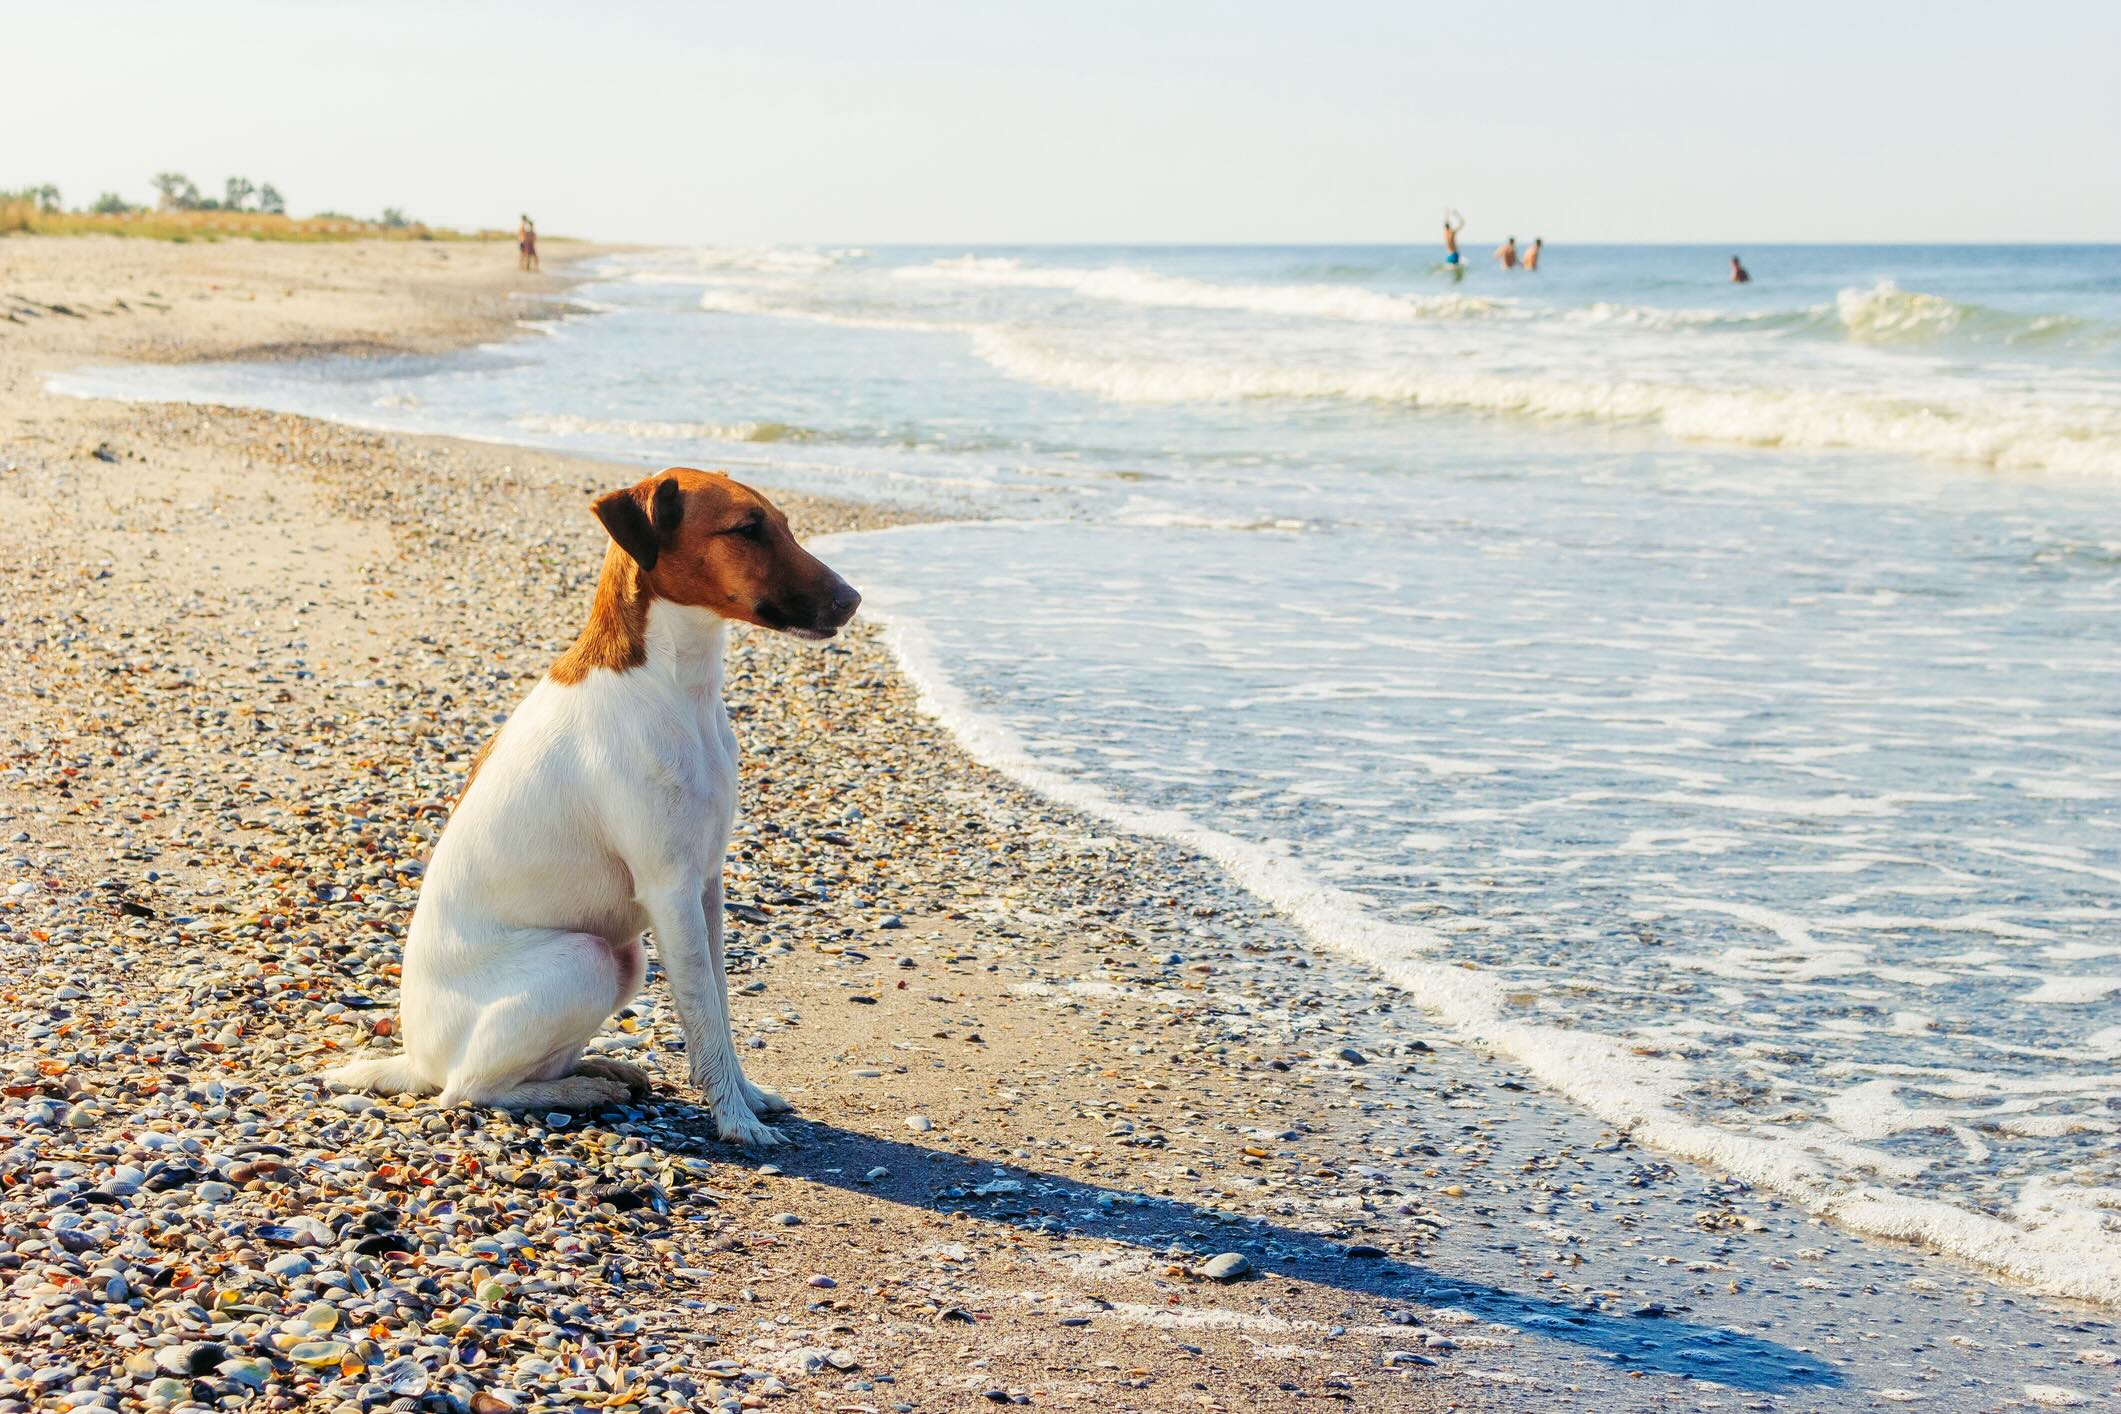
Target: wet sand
{"type": "Point", "coordinates": [1045, 1077]}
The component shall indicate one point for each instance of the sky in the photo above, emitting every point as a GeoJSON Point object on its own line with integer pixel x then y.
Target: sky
{"type": "Point", "coordinates": [1152, 121]}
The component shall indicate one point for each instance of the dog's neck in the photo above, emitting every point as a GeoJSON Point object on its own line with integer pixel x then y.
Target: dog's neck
{"type": "Point", "coordinates": [684, 646]}
{"type": "Point", "coordinates": [630, 629]}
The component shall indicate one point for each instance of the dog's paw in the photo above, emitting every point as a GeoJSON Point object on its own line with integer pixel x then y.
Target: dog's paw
{"type": "Point", "coordinates": [636, 1080]}
{"type": "Point", "coordinates": [736, 1126]}
{"type": "Point", "coordinates": [569, 1092]}
{"type": "Point", "coordinates": [765, 1102]}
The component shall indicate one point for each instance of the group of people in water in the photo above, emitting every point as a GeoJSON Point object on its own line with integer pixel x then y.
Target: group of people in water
{"type": "Point", "coordinates": [1510, 258]}
{"type": "Point", "coordinates": [1506, 254]}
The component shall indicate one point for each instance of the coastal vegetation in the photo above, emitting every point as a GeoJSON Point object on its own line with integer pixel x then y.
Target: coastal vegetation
{"type": "Point", "coordinates": [244, 210]}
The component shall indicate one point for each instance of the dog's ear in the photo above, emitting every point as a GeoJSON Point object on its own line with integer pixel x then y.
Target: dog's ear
{"type": "Point", "coordinates": [642, 530]}
{"type": "Point", "coordinates": [667, 507]}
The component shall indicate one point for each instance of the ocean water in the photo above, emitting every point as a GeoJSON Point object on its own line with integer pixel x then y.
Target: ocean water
{"type": "Point", "coordinates": [1706, 695]}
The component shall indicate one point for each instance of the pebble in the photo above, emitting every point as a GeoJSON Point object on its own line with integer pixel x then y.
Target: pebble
{"type": "Point", "coordinates": [1228, 1266]}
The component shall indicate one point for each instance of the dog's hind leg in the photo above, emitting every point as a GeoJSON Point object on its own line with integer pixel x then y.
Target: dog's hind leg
{"type": "Point", "coordinates": [636, 1080]}
{"type": "Point", "coordinates": [386, 1075]}
{"type": "Point", "coordinates": [525, 1043]}
{"type": "Point", "coordinates": [569, 1092]}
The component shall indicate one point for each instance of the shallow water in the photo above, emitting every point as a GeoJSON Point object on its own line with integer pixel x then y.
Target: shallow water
{"type": "Point", "coordinates": [1705, 694]}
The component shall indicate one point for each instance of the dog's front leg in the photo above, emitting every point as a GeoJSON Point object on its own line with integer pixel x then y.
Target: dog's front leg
{"type": "Point", "coordinates": [763, 1102]}
{"type": "Point", "coordinates": [690, 947]}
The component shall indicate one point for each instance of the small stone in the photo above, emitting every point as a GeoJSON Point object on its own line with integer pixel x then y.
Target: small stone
{"type": "Point", "coordinates": [1228, 1266]}
{"type": "Point", "coordinates": [823, 1283]}
{"type": "Point", "coordinates": [1353, 1056]}
{"type": "Point", "coordinates": [787, 1220]}
{"type": "Point", "coordinates": [919, 1124]}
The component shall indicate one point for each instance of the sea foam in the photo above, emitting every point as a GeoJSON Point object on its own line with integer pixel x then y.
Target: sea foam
{"type": "Point", "coordinates": [2080, 438]}
{"type": "Point", "coordinates": [2060, 1240]}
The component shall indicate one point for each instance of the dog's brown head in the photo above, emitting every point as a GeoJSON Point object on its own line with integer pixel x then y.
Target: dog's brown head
{"type": "Point", "coordinates": [701, 539]}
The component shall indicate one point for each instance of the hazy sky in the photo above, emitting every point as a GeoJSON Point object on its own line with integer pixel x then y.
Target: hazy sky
{"type": "Point", "coordinates": [1156, 120]}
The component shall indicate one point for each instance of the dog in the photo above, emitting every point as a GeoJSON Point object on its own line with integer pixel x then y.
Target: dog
{"type": "Point", "coordinates": [599, 812]}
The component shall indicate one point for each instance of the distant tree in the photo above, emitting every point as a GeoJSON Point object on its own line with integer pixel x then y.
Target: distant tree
{"type": "Point", "coordinates": [394, 218]}
{"type": "Point", "coordinates": [174, 191]}
{"type": "Point", "coordinates": [269, 199]}
{"type": "Point", "coordinates": [46, 197]}
{"type": "Point", "coordinates": [111, 204]}
{"type": "Point", "coordinates": [236, 191]}
{"type": "Point", "coordinates": [334, 216]}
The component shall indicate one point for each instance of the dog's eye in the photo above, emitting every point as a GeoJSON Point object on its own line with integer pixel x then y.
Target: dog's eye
{"type": "Point", "coordinates": [752, 529]}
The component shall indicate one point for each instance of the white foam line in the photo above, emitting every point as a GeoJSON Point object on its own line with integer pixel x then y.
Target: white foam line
{"type": "Point", "coordinates": [2066, 1251]}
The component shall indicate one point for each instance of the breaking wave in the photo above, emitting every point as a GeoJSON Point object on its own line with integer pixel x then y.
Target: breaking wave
{"type": "Point", "coordinates": [2076, 439]}
{"type": "Point", "coordinates": [1887, 314]}
{"type": "Point", "coordinates": [718, 262]}
{"type": "Point", "coordinates": [1121, 285]}
{"type": "Point", "coordinates": [1881, 314]}
{"type": "Point", "coordinates": [569, 425]}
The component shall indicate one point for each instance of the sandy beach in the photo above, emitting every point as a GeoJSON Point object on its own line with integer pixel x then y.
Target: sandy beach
{"type": "Point", "coordinates": [1079, 1125]}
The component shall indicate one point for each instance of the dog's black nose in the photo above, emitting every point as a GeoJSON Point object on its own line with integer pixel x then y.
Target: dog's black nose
{"type": "Point", "coordinates": [845, 600]}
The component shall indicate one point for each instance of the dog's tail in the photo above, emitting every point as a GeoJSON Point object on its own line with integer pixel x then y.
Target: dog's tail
{"type": "Point", "coordinates": [390, 1075]}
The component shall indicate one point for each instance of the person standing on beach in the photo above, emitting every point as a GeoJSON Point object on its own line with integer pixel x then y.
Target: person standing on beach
{"type": "Point", "coordinates": [526, 245]}
{"type": "Point", "coordinates": [1739, 276]}
{"type": "Point", "coordinates": [1506, 254]}
{"type": "Point", "coordinates": [1531, 257]}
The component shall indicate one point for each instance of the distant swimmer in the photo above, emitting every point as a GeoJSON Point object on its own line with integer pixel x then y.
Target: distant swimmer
{"type": "Point", "coordinates": [1738, 273]}
{"type": "Point", "coordinates": [1531, 257]}
{"type": "Point", "coordinates": [1453, 223]}
{"type": "Point", "coordinates": [1506, 254]}
{"type": "Point", "coordinates": [526, 245]}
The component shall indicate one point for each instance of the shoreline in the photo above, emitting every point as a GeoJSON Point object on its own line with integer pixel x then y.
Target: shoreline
{"type": "Point", "coordinates": [1111, 985]}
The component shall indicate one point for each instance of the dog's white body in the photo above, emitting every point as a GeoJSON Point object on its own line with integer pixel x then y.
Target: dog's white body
{"type": "Point", "coordinates": [602, 811]}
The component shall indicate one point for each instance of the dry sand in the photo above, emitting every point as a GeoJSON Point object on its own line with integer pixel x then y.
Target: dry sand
{"type": "Point", "coordinates": [1044, 1076]}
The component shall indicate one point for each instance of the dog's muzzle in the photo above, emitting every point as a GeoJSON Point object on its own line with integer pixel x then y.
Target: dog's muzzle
{"type": "Point", "coordinates": [829, 616]}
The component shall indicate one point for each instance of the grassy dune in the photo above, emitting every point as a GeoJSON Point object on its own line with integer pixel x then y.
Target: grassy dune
{"type": "Point", "coordinates": [222, 225]}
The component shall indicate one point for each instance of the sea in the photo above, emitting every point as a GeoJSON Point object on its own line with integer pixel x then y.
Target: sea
{"type": "Point", "coordinates": [1707, 696]}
